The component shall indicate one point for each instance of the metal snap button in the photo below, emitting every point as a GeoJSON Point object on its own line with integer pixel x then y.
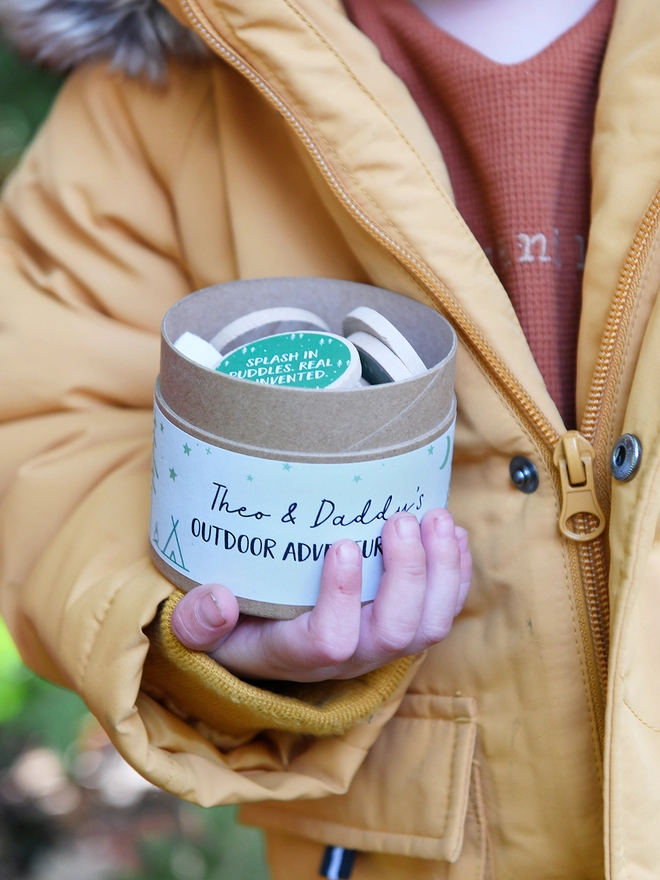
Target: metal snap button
{"type": "Point", "coordinates": [626, 457]}
{"type": "Point", "coordinates": [524, 474]}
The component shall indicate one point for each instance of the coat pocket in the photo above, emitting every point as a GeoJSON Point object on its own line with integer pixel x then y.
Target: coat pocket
{"type": "Point", "coordinates": [417, 793]}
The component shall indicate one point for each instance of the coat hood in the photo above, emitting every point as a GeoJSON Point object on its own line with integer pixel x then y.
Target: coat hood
{"type": "Point", "coordinates": [135, 36]}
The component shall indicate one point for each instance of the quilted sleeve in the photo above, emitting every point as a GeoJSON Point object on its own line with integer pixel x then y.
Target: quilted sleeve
{"type": "Point", "coordinates": [90, 259]}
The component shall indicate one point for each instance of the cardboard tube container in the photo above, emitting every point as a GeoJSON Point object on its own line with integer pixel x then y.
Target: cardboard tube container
{"type": "Point", "coordinates": [252, 482]}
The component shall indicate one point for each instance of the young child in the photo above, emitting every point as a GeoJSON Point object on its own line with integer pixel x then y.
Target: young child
{"type": "Point", "coordinates": [442, 152]}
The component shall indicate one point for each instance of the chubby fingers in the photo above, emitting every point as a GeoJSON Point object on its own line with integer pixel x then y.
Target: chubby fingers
{"type": "Point", "coordinates": [334, 625]}
{"type": "Point", "coordinates": [391, 623]}
{"type": "Point", "coordinates": [424, 585]}
{"type": "Point", "coordinates": [427, 574]}
{"type": "Point", "coordinates": [204, 617]}
{"type": "Point", "coordinates": [445, 554]}
{"type": "Point", "coordinates": [314, 645]}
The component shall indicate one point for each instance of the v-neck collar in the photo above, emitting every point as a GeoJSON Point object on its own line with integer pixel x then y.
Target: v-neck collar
{"type": "Point", "coordinates": [426, 21]}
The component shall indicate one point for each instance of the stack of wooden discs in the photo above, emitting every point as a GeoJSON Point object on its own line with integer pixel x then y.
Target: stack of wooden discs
{"type": "Point", "coordinates": [294, 347]}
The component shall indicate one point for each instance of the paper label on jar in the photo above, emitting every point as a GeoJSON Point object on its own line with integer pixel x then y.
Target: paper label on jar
{"type": "Point", "coordinates": [305, 360]}
{"type": "Point", "coordinates": [262, 527]}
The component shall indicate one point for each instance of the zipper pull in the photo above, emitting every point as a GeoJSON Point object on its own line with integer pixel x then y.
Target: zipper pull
{"type": "Point", "coordinates": [574, 456]}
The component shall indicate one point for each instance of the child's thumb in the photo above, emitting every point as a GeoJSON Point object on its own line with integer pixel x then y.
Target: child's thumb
{"type": "Point", "coordinates": [204, 617]}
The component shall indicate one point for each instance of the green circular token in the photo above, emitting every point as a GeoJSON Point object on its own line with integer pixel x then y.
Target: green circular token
{"type": "Point", "coordinates": [305, 359]}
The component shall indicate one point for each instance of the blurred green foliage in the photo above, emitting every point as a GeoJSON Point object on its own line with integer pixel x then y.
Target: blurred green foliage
{"type": "Point", "coordinates": [13, 690]}
{"type": "Point", "coordinates": [33, 705]}
{"type": "Point", "coordinates": [26, 93]}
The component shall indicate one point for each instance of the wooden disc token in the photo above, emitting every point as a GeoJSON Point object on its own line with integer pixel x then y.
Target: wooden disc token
{"type": "Point", "coordinates": [370, 321]}
{"type": "Point", "coordinates": [197, 349]}
{"type": "Point", "coordinates": [379, 363]}
{"type": "Point", "coordinates": [307, 359]}
{"type": "Point", "coordinates": [263, 323]}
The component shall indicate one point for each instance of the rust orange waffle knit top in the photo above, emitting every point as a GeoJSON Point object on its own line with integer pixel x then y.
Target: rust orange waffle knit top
{"type": "Point", "coordinates": [516, 139]}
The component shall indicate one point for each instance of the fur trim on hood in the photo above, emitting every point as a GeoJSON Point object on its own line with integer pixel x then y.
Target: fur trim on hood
{"type": "Point", "coordinates": [135, 36]}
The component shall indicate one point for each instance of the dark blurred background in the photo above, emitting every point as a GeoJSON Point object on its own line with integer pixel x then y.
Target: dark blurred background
{"type": "Point", "coordinates": [70, 807]}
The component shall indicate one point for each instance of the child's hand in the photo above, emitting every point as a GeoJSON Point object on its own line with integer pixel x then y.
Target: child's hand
{"type": "Point", "coordinates": [426, 579]}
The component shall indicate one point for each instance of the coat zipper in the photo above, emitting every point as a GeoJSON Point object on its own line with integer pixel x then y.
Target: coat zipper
{"type": "Point", "coordinates": [592, 554]}
{"type": "Point", "coordinates": [579, 490]}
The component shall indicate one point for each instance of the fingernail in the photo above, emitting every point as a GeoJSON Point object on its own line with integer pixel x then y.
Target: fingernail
{"type": "Point", "coordinates": [443, 527]}
{"type": "Point", "coordinates": [210, 613]}
{"type": "Point", "coordinates": [348, 555]}
{"type": "Point", "coordinates": [407, 528]}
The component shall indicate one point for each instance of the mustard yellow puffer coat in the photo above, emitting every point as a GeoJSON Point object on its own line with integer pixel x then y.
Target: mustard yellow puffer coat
{"type": "Point", "coordinates": [527, 745]}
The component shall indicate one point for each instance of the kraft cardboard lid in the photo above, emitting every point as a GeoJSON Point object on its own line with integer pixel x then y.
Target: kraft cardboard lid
{"type": "Point", "coordinates": [267, 420]}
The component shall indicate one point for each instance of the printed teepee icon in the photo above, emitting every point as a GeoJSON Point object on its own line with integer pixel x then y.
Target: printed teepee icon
{"type": "Point", "coordinates": [154, 473]}
{"type": "Point", "coordinates": [172, 548]}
